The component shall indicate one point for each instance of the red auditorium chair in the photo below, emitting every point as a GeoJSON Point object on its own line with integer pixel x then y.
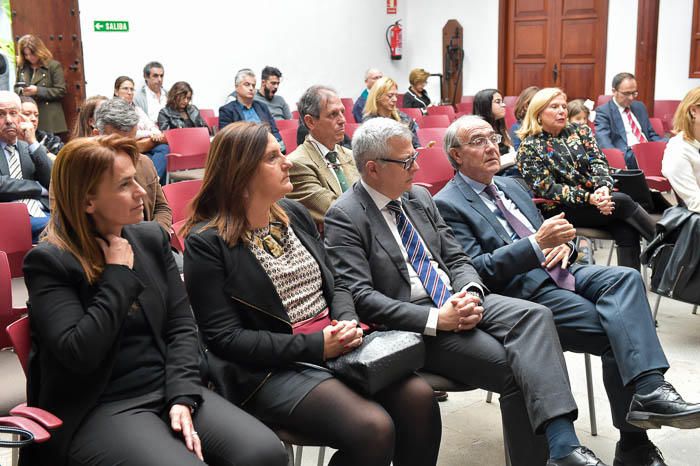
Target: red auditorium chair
{"type": "Point", "coordinates": [442, 110]}
{"type": "Point", "coordinates": [649, 156]}
{"type": "Point", "coordinates": [434, 121]}
{"type": "Point", "coordinates": [435, 170]}
{"type": "Point", "coordinates": [188, 153]}
{"type": "Point", "coordinates": [426, 135]}
{"type": "Point", "coordinates": [665, 109]}
{"type": "Point", "coordinates": [289, 136]}
{"type": "Point", "coordinates": [15, 235]}
{"type": "Point", "coordinates": [179, 195]}
{"type": "Point", "coordinates": [287, 124]}
{"type": "Point", "coordinates": [615, 158]}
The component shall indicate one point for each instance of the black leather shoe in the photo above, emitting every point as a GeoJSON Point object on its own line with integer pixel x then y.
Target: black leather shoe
{"type": "Point", "coordinates": [663, 407]}
{"type": "Point", "coordinates": [643, 455]}
{"type": "Point", "coordinates": [581, 456]}
{"type": "Point", "coordinates": [440, 395]}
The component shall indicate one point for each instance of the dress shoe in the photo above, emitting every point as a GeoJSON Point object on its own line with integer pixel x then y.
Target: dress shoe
{"type": "Point", "coordinates": [581, 456]}
{"type": "Point", "coordinates": [663, 407]}
{"type": "Point", "coordinates": [440, 395]}
{"type": "Point", "coordinates": [643, 455]}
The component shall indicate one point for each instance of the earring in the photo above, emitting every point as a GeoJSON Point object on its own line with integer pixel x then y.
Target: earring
{"type": "Point", "coordinates": [539, 120]}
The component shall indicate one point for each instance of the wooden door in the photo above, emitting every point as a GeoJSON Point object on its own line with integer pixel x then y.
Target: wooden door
{"type": "Point", "coordinates": [557, 43]}
{"type": "Point", "coordinates": [57, 23]}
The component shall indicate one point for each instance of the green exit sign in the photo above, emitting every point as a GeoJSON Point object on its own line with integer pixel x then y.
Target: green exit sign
{"type": "Point", "coordinates": [111, 26]}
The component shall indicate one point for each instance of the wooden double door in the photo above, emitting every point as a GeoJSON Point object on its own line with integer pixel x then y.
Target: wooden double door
{"type": "Point", "coordinates": [554, 43]}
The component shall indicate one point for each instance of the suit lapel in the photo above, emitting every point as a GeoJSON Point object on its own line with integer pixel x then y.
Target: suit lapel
{"type": "Point", "coordinates": [4, 167]}
{"type": "Point", "coordinates": [320, 162]}
{"type": "Point", "coordinates": [478, 205]}
{"type": "Point", "coordinates": [382, 233]}
{"type": "Point", "coordinates": [616, 119]}
{"type": "Point", "coordinates": [523, 203]}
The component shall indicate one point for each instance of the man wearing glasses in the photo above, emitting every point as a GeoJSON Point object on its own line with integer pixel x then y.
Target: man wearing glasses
{"type": "Point", "coordinates": [623, 121]}
{"type": "Point", "coordinates": [407, 272]}
{"type": "Point", "coordinates": [599, 310]}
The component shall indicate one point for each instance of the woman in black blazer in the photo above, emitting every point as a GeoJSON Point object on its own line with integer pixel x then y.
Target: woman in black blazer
{"type": "Point", "coordinates": [115, 350]}
{"type": "Point", "coordinates": [256, 271]}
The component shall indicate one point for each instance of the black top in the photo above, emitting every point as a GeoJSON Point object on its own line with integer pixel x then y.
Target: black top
{"type": "Point", "coordinates": [413, 100]}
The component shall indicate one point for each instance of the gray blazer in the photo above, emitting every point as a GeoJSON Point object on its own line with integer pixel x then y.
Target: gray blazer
{"type": "Point", "coordinates": [365, 253]}
{"type": "Point", "coordinates": [36, 171]}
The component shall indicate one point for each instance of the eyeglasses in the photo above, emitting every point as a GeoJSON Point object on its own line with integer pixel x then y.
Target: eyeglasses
{"type": "Point", "coordinates": [482, 142]}
{"type": "Point", "coordinates": [407, 163]}
{"type": "Point", "coordinates": [630, 93]}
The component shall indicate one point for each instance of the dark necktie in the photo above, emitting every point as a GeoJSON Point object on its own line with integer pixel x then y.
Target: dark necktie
{"type": "Point", "coordinates": [418, 256]}
{"type": "Point", "coordinates": [332, 157]}
{"type": "Point", "coordinates": [562, 277]}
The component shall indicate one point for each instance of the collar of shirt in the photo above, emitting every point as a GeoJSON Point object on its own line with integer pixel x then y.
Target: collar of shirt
{"type": "Point", "coordinates": [380, 200]}
{"type": "Point", "coordinates": [476, 186]}
{"type": "Point", "coordinates": [163, 99]}
{"type": "Point", "coordinates": [323, 150]}
{"type": "Point", "coordinates": [243, 107]}
{"type": "Point", "coordinates": [619, 107]}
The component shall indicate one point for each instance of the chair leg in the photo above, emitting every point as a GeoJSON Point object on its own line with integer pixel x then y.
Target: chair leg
{"type": "Point", "coordinates": [321, 455]}
{"type": "Point", "coordinates": [505, 444]}
{"type": "Point", "coordinates": [612, 249]}
{"type": "Point", "coordinates": [695, 309]}
{"type": "Point", "coordinates": [591, 397]}
{"type": "Point", "coordinates": [489, 397]}
{"type": "Point", "coordinates": [290, 453]}
{"type": "Point", "coordinates": [656, 306]}
{"type": "Point", "coordinates": [300, 451]}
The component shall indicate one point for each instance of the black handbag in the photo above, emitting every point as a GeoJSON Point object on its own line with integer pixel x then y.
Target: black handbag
{"type": "Point", "coordinates": [383, 358]}
{"type": "Point", "coordinates": [633, 183]}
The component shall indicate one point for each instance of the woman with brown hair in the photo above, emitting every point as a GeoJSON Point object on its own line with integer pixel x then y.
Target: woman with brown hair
{"type": "Point", "coordinates": [85, 122]}
{"type": "Point", "coordinates": [417, 96]}
{"type": "Point", "coordinates": [179, 112]}
{"type": "Point", "coordinates": [115, 351]}
{"type": "Point", "coordinates": [521, 104]}
{"type": "Point", "coordinates": [41, 77]}
{"type": "Point", "coordinates": [270, 306]}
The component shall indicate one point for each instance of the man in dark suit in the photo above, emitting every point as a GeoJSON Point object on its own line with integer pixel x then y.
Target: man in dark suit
{"type": "Point", "coordinates": [243, 107]}
{"type": "Point", "coordinates": [407, 272]}
{"type": "Point", "coordinates": [623, 121]}
{"type": "Point", "coordinates": [599, 310]}
{"type": "Point", "coordinates": [25, 169]}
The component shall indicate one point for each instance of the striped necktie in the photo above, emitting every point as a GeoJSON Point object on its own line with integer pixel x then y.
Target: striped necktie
{"type": "Point", "coordinates": [33, 206]}
{"type": "Point", "coordinates": [635, 129]}
{"type": "Point", "coordinates": [332, 157]}
{"type": "Point", "coordinates": [418, 256]}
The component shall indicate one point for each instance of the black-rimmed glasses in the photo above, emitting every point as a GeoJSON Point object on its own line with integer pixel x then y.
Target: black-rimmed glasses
{"type": "Point", "coordinates": [407, 163]}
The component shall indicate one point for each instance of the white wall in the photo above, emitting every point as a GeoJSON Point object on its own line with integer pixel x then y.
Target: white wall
{"type": "Point", "coordinates": [334, 41]}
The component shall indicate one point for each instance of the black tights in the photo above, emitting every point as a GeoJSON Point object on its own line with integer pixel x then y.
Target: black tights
{"type": "Point", "coordinates": [405, 429]}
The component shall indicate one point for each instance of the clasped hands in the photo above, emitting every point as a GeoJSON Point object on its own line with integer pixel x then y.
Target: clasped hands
{"type": "Point", "coordinates": [341, 337]}
{"type": "Point", "coordinates": [602, 200]}
{"type": "Point", "coordinates": [552, 237]}
{"type": "Point", "coordinates": [461, 312]}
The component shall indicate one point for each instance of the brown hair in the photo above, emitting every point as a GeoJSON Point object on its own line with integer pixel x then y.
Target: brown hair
{"type": "Point", "coordinates": [523, 101]}
{"type": "Point", "coordinates": [179, 89]}
{"type": "Point", "coordinates": [682, 119]}
{"type": "Point", "coordinates": [119, 81]}
{"type": "Point", "coordinates": [36, 45]}
{"type": "Point", "coordinates": [86, 112]}
{"type": "Point", "coordinates": [234, 157]}
{"type": "Point", "coordinates": [77, 171]}
{"type": "Point", "coordinates": [575, 107]}
{"type": "Point", "coordinates": [418, 75]}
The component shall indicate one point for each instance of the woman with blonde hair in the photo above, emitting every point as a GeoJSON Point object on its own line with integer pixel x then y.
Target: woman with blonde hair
{"type": "Point", "coordinates": [681, 162]}
{"type": "Point", "coordinates": [41, 77]}
{"type": "Point", "coordinates": [115, 352]}
{"type": "Point", "coordinates": [381, 102]}
{"type": "Point", "coordinates": [561, 162]}
{"type": "Point", "coordinates": [417, 96]}
{"type": "Point", "coordinates": [272, 310]}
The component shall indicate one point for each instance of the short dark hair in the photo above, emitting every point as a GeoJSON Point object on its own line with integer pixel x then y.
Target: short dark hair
{"type": "Point", "coordinates": [27, 100]}
{"type": "Point", "coordinates": [149, 66]}
{"type": "Point", "coordinates": [270, 71]}
{"type": "Point", "coordinates": [619, 77]}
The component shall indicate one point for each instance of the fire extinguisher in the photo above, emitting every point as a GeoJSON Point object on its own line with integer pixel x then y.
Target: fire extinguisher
{"type": "Point", "coordinates": [394, 40]}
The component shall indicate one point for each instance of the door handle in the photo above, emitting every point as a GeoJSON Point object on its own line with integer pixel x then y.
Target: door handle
{"type": "Point", "coordinates": [555, 73]}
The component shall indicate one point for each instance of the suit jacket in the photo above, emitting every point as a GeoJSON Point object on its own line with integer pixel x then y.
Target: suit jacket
{"type": "Point", "coordinates": [610, 130]}
{"type": "Point", "coordinates": [229, 113]}
{"type": "Point", "coordinates": [76, 330]}
{"type": "Point", "coordinates": [239, 312]}
{"type": "Point", "coordinates": [155, 206]}
{"type": "Point", "coordinates": [315, 185]}
{"type": "Point", "coordinates": [51, 88]}
{"type": "Point", "coordinates": [508, 267]}
{"type": "Point", "coordinates": [365, 253]}
{"type": "Point", "coordinates": [36, 167]}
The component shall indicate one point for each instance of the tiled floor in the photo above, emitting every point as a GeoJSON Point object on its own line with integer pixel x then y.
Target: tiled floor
{"type": "Point", "coordinates": [472, 434]}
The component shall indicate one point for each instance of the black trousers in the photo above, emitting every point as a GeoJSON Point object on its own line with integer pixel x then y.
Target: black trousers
{"type": "Point", "coordinates": [137, 432]}
{"type": "Point", "coordinates": [514, 351]}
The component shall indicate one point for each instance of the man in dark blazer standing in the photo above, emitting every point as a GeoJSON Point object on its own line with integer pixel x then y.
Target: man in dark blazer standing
{"type": "Point", "coordinates": [605, 312]}
{"type": "Point", "coordinates": [623, 121]}
{"type": "Point", "coordinates": [407, 272]}
{"type": "Point", "coordinates": [25, 169]}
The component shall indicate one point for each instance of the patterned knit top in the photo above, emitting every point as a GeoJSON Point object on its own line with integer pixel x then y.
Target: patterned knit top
{"type": "Point", "coordinates": [295, 275]}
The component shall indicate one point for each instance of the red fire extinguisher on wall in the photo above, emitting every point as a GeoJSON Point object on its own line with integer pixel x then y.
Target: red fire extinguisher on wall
{"type": "Point", "coordinates": [394, 40]}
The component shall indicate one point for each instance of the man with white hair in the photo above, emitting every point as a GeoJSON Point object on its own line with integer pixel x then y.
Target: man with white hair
{"type": "Point", "coordinates": [406, 271]}
{"type": "Point", "coordinates": [245, 107]}
{"type": "Point", "coordinates": [25, 168]}
{"type": "Point", "coordinates": [371, 76]}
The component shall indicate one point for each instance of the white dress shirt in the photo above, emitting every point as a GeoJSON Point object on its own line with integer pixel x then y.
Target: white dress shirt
{"type": "Point", "coordinates": [631, 138]}
{"type": "Point", "coordinates": [155, 104]}
{"type": "Point", "coordinates": [323, 150]}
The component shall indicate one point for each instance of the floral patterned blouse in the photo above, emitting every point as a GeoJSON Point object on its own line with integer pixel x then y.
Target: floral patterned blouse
{"type": "Point", "coordinates": [564, 168]}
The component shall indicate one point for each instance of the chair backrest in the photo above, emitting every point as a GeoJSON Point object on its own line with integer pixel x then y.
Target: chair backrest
{"type": "Point", "coordinates": [649, 156]}
{"type": "Point", "coordinates": [177, 240]}
{"type": "Point", "coordinates": [434, 121]}
{"type": "Point", "coordinates": [350, 129]}
{"type": "Point", "coordinates": [658, 126]}
{"type": "Point", "coordinates": [179, 196]}
{"type": "Point", "coordinates": [414, 113]}
{"type": "Point", "coordinates": [347, 102]}
{"type": "Point", "coordinates": [425, 135]}
{"type": "Point", "coordinates": [20, 336]}
{"type": "Point", "coordinates": [665, 109]}
{"type": "Point", "coordinates": [15, 234]}
{"type": "Point", "coordinates": [615, 158]}
{"type": "Point", "coordinates": [442, 110]}
{"type": "Point", "coordinates": [434, 169]}
{"type": "Point", "coordinates": [602, 100]}
{"type": "Point", "coordinates": [206, 112]}
{"type": "Point", "coordinates": [212, 123]}
{"type": "Point", "coordinates": [295, 115]}
{"type": "Point", "coordinates": [289, 136]}
{"type": "Point", "coordinates": [510, 100]}
{"type": "Point", "coordinates": [510, 117]}
{"type": "Point", "coordinates": [287, 124]}
{"type": "Point", "coordinates": [468, 98]}
{"type": "Point", "coordinates": [188, 148]}
{"type": "Point", "coordinates": [466, 107]}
